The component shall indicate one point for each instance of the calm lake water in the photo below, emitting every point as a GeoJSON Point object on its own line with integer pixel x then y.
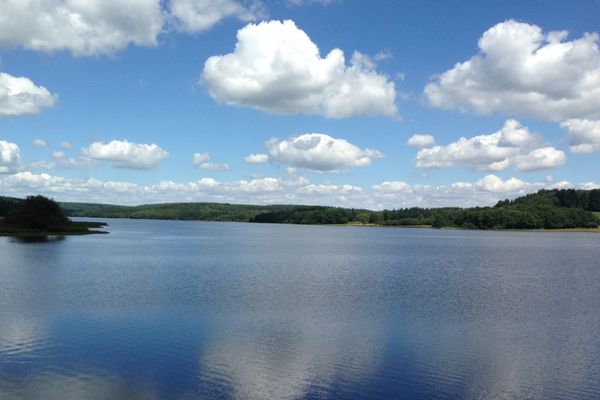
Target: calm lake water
{"type": "Point", "coordinates": [188, 310]}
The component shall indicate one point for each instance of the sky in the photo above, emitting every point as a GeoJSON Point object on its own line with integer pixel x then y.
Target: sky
{"type": "Point", "coordinates": [378, 104]}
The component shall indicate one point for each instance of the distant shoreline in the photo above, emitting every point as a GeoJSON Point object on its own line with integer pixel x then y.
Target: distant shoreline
{"type": "Point", "coordinates": [368, 225]}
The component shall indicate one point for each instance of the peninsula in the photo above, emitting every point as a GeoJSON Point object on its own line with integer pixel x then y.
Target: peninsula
{"type": "Point", "coordinates": [37, 216]}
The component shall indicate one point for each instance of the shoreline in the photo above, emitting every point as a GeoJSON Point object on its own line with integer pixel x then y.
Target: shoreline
{"type": "Point", "coordinates": [77, 228]}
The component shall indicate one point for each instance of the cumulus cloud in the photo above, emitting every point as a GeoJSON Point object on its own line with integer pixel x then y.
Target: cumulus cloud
{"type": "Point", "coordinates": [256, 158]}
{"type": "Point", "coordinates": [124, 154]}
{"type": "Point", "coordinates": [540, 159]}
{"type": "Point", "coordinates": [10, 157]}
{"type": "Point", "coordinates": [66, 145]}
{"type": "Point", "coordinates": [203, 160]}
{"type": "Point", "coordinates": [492, 183]}
{"type": "Point", "coordinates": [483, 192]}
{"type": "Point", "coordinates": [319, 152]}
{"type": "Point", "coordinates": [39, 143]}
{"type": "Point", "coordinates": [584, 134]}
{"type": "Point", "coordinates": [199, 15]}
{"type": "Point", "coordinates": [275, 67]}
{"type": "Point", "coordinates": [20, 96]}
{"type": "Point", "coordinates": [514, 145]}
{"type": "Point", "coordinates": [420, 141]}
{"type": "Point", "coordinates": [289, 189]}
{"type": "Point", "coordinates": [520, 70]}
{"type": "Point", "coordinates": [90, 27]}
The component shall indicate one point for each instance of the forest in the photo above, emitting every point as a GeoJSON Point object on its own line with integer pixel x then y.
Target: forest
{"type": "Point", "coordinates": [546, 209]}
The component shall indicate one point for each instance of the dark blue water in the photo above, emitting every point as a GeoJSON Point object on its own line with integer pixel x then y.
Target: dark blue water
{"type": "Point", "coordinates": [187, 310]}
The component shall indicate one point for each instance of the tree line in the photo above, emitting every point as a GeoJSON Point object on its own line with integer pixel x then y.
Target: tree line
{"type": "Point", "coordinates": [549, 209]}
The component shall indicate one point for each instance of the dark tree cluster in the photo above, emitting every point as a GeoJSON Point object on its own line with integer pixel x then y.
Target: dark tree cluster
{"type": "Point", "coordinates": [37, 212]}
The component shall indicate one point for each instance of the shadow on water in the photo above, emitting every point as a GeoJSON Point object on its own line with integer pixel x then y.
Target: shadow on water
{"type": "Point", "coordinates": [38, 239]}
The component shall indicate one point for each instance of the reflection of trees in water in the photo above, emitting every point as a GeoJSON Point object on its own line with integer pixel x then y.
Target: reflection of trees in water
{"type": "Point", "coordinates": [38, 239]}
{"type": "Point", "coordinates": [286, 360]}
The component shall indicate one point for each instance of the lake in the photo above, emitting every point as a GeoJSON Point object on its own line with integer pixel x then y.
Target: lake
{"type": "Point", "coordinates": [188, 310]}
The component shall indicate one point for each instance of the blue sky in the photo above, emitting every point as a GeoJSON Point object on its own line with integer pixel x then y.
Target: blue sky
{"type": "Point", "coordinates": [141, 101]}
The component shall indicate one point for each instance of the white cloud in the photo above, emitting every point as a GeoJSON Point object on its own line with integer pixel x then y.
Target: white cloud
{"type": "Point", "coordinates": [90, 27]}
{"type": "Point", "coordinates": [275, 67]}
{"type": "Point", "coordinates": [584, 134]}
{"type": "Point", "coordinates": [124, 154]}
{"type": "Point", "coordinates": [492, 183]}
{"type": "Point", "coordinates": [42, 165]}
{"type": "Point", "coordinates": [199, 15]}
{"type": "Point", "coordinates": [66, 145]}
{"type": "Point", "coordinates": [20, 96]}
{"type": "Point", "coordinates": [319, 152]}
{"type": "Point", "coordinates": [514, 144]}
{"type": "Point", "coordinates": [523, 71]}
{"type": "Point", "coordinates": [203, 160]}
{"type": "Point", "coordinates": [65, 161]}
{"type": "Point", "coordinates": [484, 192]}
{"type": "Point", "coordinates": [39, 143]}
{"type": "Point", "coordinates": [10, 157]}
{"type": "Point", "coordinates": [420, 141]}
{"type": "Point", "coordinates": [392, 187]}
{"type": "Point", "coordinates": [330, 189]}
{"type": "Point", "coordinates": [199, 158]}
{"type": "Point", "coordinates": [539, 159]}
{"type": "Point", "coordinates": [256, 158]}
{"type": "Point", "coordinates": [590, 186]}
{"type": "Point", "coordinates": [283, 190]}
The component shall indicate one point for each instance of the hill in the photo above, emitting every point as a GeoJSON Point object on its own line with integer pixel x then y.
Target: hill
{"type": "Point", "coordinates": [546, 209]}
{"type": "Point", "coordinates": [176, 211]}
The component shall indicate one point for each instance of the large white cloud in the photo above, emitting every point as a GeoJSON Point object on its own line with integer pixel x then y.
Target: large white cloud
{"type": "Point", "coordinates": [10, 157]}
{"type": "Point", "coordinates": [584, 134]}
{"type": "Point", "coordinates": [319, 152]}
{"type": "Point", "coordinates": [514, 145]}
{"type": "Point", "coordinates": [97, 27]}
{"type": "Point", "coordinates": [276, 67]}
{"type": "Point", "coordinates": [124, 154]}
{"type": "Point", "coordinates": [199, 15]}
{"type": "Point", "coordinates": [20, 96]}
{"type": "Point", "coordinates": [84, 27]}
{"type": "Point", "coordinates": [523, 71]}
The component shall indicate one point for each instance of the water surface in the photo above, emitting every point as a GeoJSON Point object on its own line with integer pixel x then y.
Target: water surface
{"type": "Point", "coordinates": [186, 310]}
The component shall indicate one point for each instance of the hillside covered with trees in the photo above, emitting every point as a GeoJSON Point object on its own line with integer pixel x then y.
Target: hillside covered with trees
{"type": "Point", "coordinates": [546, 209]}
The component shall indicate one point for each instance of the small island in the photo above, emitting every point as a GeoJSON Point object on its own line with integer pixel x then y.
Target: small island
{"type": "Point", "coordinates": [38, 216]}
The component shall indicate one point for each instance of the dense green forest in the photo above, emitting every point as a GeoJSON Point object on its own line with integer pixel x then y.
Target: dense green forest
{"type": "Point", "coordinates": [178, 211]}
{"type": "Point", "coordinates": [38, 215]}
{"type": "Point", "coordinates": [546, 209]}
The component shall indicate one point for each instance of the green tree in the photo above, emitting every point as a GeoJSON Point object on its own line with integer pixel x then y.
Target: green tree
{"type": "Point", "coordinates": [37, 212]}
